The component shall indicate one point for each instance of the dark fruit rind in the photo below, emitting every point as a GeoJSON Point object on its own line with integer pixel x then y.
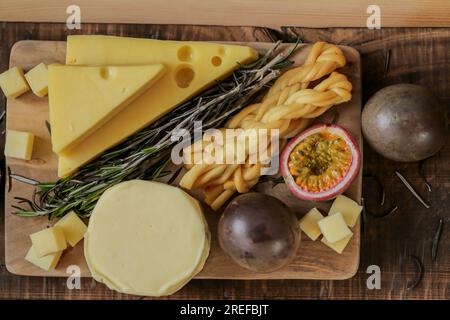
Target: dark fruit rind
{"type": "Point", "coordinates": [405, 122]}
{"type": "Point", "coordinates": [259, 232]}
{"type": "Point", "coordinates": [340, 186]}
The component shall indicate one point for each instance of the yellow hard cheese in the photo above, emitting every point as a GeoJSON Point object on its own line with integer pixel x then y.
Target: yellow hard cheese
{"type": "Point", "coordinates": [146, 238]}
{"type": "Point", "coordinates": [46, 262]}
{"type": "Point", "coordinates": [19, 144]}
{"type": "Point", "coordinates": [308, 224]}
{"type": "Point", "coordinates": [82, 99]}
{"type": "Point", "coordinates": [37, 78]}
{"type": "Point", "coordinates": [13, 82]}
{"type": "Point", "coordinates": [350, 209]}
{"type": "Point", "coordinates": [338, 246]}
{"type": "Point", "coordinates": [72, 227]}
{"type": "Point", "coordinates": [334, 228]}
{"type": "Point", "coordinates": [192, 67]}
{"type": "Point", "coordinates": [48, 241]}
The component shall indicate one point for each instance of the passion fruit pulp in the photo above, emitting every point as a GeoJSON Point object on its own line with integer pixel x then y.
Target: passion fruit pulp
{"type": "Point", "coordinates": [320, 162]}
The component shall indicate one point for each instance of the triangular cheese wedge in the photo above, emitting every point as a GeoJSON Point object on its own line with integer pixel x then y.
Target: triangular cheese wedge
{"type": "Point", "coordinates": [192, 67]}
{"type": "Point", "coordinates": [82, 98]}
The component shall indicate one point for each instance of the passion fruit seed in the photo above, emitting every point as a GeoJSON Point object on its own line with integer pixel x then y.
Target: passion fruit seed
{"type": "Point", "coordinates": [320, 161]}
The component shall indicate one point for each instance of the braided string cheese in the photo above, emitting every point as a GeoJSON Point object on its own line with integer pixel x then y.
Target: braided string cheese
{"type": "Point", "coordinates": [288, 106]}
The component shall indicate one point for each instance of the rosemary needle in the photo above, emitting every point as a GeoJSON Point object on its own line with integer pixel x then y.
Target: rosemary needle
{"type": "Point", "coordinates": [411, 189]}
{"type": "Point", "coordinates": [387, 61]}
{"type": "Point", "coordinates": [24, 179]}
{"type": "Point", "coordinates": [436, 240]}
{"type": "Point", "coordinates": [49, 128]}
{"type": "Point", "coordinates": [335, 117]}
{"type": "Point", "coordinates": [419, 273]}
{"type": "Point", "coordinates": [9, 179]}
{"type": "Point", "coordinates": [2, 116]}
{"type": "Point", "coordinates": [422, 174]}
{"type": "Point", "coordinates": [363, 216]}
{"type": "Point", "coordinates": [175, 175]}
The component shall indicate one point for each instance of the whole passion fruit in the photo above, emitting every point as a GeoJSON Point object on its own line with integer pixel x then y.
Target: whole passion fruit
{"type": "Point", "coordinates": [405, 122]}
{"type": "Point", "coordinates": [320, 163]}
{"type": "Point", "coordinates": [259, 232]}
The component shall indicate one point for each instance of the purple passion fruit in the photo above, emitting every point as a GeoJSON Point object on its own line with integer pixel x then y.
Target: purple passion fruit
{"type": "Point", "coordinates": [259, 232]}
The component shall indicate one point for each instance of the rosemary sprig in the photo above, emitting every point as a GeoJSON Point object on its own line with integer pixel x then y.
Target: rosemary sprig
{"type": "Point", "coordinates": [146, 154]}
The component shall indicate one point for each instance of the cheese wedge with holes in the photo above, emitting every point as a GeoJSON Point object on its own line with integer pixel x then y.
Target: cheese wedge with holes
{"type": "Point", "coordinates": [191, 68]}
{"type": "Point", "coordinates": [82, 99]}
{"type": "Point", "coordinates": [146, 238]}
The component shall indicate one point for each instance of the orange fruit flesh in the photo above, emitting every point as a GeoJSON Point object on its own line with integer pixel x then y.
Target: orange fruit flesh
{"type": "Point", "coordinates": [320, 161]}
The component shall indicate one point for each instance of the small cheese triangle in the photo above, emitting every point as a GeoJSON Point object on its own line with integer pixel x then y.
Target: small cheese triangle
{"type": "Point", "coordinates": [191, 67]}
{"type": "Point", "coordinates": [83, 98]}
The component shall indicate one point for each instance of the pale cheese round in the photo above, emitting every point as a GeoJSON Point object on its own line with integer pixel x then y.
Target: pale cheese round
{"type": "Point", "coordinates": [146, 238]}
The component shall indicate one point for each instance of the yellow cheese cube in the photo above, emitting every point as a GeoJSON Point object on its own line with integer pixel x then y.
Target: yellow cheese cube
{"type": "Point", "coordinates": [73, 228]}
{"type": "Point", "coordinates": [47, 262]}
{"type": "Point", "coordinates": [48, 241]}
{"type": "Point", "coordinates": [338, 246]}
{"type": "Point", "coordinates": [38, 80]}
{"type": "Point", "coordinates": [350, 209]}
{"type": "Point", "coordinates": [13, 82]}
{"type": "Point", "coordinates": [19, 144]}
{"type": "Point", "coordinates": [334, 228]}
{"type": "Point", "coordinates": [308, 224]}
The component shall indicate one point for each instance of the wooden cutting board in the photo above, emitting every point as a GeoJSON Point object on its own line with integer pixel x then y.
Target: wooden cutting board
{"type": "Point", "coordinates": [29, 113]}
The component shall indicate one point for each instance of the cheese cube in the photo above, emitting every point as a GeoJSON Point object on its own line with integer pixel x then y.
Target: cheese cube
{"type": "Point", "coordinates": [334, 228]}
{"type": "Point", "coordinates": [48, 241]}
{"type": "Point", "coordinates": [19, 144]}
{"type": "Point", "coordinates": [13, 82]}
{"type": "Point", "coordinates": [38, 80]}
{"type": "Point", "coordinates": [73, 228]}
{"type": "Point", "coordinates": [48, 262]}
{"type": "Point", "coordinates": [338, 246]}
{"type": "Point", "coordinates": [350, 209]}
{"type": "Point", "coordinates": [308, 224]}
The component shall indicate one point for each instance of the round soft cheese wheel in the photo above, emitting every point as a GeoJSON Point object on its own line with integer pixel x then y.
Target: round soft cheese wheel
{"type": "Point", "coordinates": [146, 238]}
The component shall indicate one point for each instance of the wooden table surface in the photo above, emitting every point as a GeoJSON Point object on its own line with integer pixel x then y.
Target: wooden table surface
{"type": "Point", "coordinates": [419, 55]}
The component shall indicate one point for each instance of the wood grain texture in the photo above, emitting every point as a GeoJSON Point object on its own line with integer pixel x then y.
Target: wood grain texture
{"type": "Point", "coordinates": [29, 113]}
{"type": "Point", "coordinates": [418, 55]}
{"type": "Point", "coordinates": [264, 13]}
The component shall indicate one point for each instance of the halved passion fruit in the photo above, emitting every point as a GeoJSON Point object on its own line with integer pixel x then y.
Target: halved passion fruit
{"type": "Point", "coordinates": [320, 163]}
